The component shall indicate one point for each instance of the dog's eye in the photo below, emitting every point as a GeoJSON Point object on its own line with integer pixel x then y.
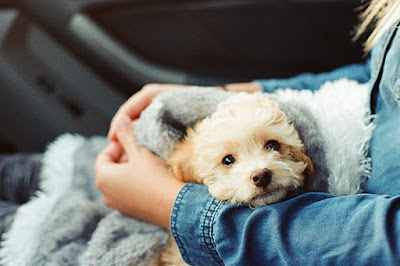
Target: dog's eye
{"type": "Point", "coordinates": [228, 160]}
{"type": "Point", "coordinates": [272, 145]}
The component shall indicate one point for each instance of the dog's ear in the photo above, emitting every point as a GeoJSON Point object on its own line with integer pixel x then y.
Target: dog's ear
{"type": "Point", "coordinates": [309, 171]}
{"type": "Point", "coordinates": [301, 156]}
{"type": "Point", "coordinates": [181, 161]}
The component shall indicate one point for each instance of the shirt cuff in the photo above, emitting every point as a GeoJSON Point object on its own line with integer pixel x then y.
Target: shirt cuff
{"type": "Point", "coordinates": [191, 223]}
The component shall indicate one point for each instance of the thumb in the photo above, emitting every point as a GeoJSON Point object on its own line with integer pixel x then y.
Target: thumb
{"type": "Point", "coordinates": [125, 135]}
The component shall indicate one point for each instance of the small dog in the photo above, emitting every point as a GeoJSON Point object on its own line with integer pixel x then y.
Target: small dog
{"type": "Point", "coordinates": [246, 152]}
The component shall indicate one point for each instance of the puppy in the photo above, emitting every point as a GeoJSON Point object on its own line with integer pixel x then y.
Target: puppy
{"type": "Point", "coordinates": [246, 152]}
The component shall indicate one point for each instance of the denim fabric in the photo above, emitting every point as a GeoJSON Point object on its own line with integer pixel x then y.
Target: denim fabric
{"type": "Point", "coordinates": [385, 142]}
{"type": "Point", "coordinates": [191, 223]}
{"type": "Point", "coordinates": [310, 81]}
{"type": "Point", "coordinates": [310, 228]}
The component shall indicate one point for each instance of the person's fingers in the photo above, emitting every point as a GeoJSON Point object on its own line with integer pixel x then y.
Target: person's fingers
{"type": "Point", "coordinates": [126, 137]}
{"type": "Point", "coordinates": [106, 163]}
{"type": "Point", "coordinates": [245, 87]}
{"type": "Point", "coordinates": [137, 103]}
{"type": "Point", "coordinates": [124, 158]}
{"type": "Point", "coordinates": [111, 153]}
{"type": "Point", "coordinates": [133, 107]}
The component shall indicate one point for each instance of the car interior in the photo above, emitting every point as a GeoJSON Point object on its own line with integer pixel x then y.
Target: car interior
{"type": "Point", "coordinates": [66, 65]}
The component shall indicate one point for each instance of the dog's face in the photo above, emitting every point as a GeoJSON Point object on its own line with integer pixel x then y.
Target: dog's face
{"type": "Point", "coordinates": [246, 152]}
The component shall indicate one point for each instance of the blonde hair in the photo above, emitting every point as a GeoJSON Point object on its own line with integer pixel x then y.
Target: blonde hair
{"type": "Point", "coordinates": [379, 15]}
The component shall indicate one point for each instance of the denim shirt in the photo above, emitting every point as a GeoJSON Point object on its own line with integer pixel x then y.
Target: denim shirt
{"type": "Point", "coordinates": [385, 104]}
{"type": "Point", "coordinates": [310, 228]}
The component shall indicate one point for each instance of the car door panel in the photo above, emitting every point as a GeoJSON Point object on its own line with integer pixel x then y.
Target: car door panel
{"type": "Point", "coordinates": [208, 42]}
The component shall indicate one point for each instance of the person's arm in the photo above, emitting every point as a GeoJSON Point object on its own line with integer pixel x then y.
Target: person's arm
{"type": "Point", "coordinates": [309, 229]}
{"type": "Point", "coordinates": [311, 81]}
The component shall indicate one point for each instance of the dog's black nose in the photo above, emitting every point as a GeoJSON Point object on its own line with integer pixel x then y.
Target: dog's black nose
{"type": "Point", "coordinates": [261, 178]}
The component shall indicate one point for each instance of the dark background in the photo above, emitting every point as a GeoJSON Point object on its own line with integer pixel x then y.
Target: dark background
{"type": "Point", "coordinates": [66, 65]}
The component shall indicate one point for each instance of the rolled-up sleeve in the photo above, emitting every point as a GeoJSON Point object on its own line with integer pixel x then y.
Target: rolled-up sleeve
{"type": "Point", "coordinates": [192, 225]}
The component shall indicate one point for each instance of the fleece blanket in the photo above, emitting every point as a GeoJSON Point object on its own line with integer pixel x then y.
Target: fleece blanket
{"type": "Point", "coordinates": [66, 223]}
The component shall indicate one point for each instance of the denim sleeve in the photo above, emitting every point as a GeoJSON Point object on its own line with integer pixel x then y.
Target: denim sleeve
{"type": "Point", "coordinates": [308, 229]}
{"type": "Point", "coordinates": [191, 225]}
{"type": "Point", "coordinates": [310, 81]}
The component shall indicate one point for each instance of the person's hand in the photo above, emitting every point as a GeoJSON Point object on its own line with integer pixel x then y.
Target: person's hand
{"type": "Point", "coordinates": [132, 108]}
{"type": "Point", "coordinates": [135, 181]}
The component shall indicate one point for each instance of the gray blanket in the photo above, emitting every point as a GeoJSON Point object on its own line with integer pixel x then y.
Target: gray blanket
{"type": "Point", "coordinates": [67, 223]}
